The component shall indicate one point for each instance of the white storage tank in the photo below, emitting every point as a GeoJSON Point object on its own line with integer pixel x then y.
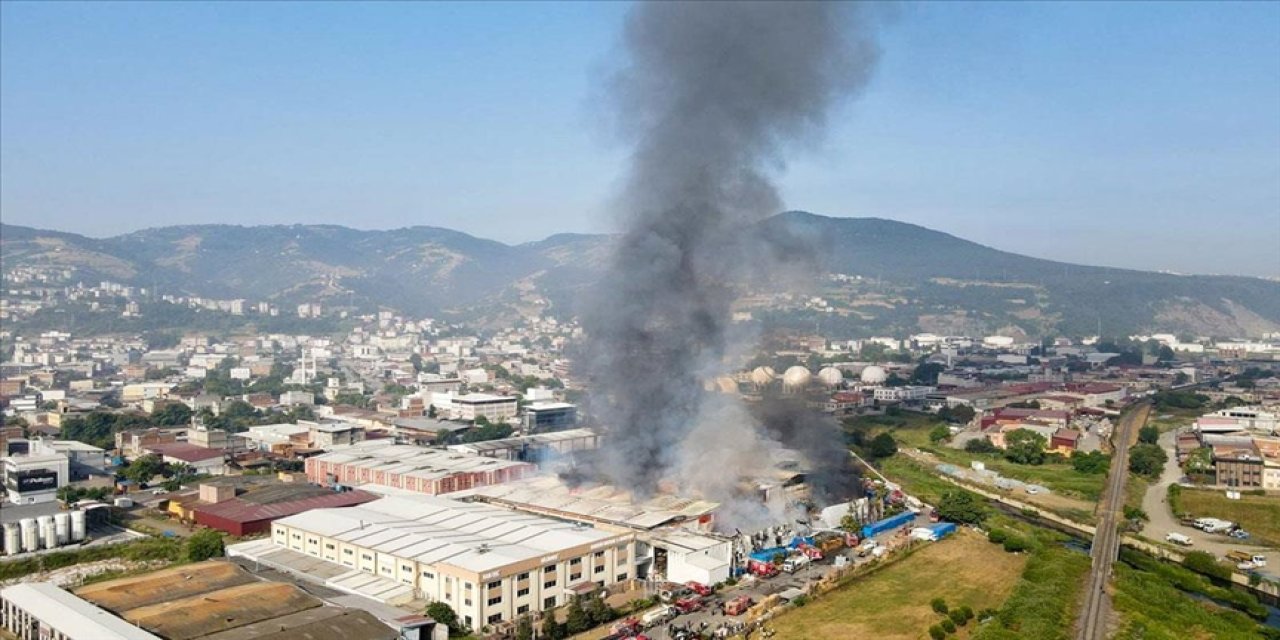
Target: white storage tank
{"type": "Point", "coordinates": [30, 534]}
{"type": "Point", "coordinates": [48, 535]}
{"type": "Point", "coordinates": [12, 538]}
{"type": "Point", "coordinates": [124, 502]}
{"type": "Point", "coordinates": [77, 525]}
{"type": "Point", "coordinates": [62, 527]}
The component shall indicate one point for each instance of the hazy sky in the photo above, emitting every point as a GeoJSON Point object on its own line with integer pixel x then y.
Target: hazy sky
{"type": "Point", "coordinates": [1139, 135]}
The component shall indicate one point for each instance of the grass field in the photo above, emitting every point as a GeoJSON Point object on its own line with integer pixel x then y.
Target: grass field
{"type": "Point", "coordinates": [893, 603]}
{"type": "Point", "coordinates": [1151, 607]}
{"type": "Point", "coordinates": [1046, 599]}
{"type": "Point", "coordinates": [1259, 515]}
{"type": "Point", "coordinates": [912, 430]}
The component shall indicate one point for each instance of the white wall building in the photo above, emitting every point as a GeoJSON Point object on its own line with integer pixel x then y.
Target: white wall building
{"type": "Point", "coordinates": [490, 564]}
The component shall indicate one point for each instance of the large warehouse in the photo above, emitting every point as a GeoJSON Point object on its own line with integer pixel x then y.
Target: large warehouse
{"type": "Point", "coordinates": [489, 563]}
{"type": "Point", "coordinates": [412, 468]}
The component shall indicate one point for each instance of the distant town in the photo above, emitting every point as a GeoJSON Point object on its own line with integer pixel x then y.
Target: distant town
{"type": "Point", "coordinates": [361, 461]}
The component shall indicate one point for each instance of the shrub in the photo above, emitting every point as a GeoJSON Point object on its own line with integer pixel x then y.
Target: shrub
{"type": "Point", "coordinates": [1204, 563]}
{"type": "Point", "coordinates": [939, 605]}
{"type": "Point", "coordinates": [997, 536]}
{"type": "Point", "coordinates": [1014, 544]}
{"type": "Point", "coordinates": [957, 617]}
{"type": "Point", "coordinates": [937, 633]}
{"type": "Point", "coordinates": [204, 544]}
{"type": "Point", "coordinates": [966, 612]}
{"type": "Point", "coordinates": [986, 614]}
{"type": "Point", "coordinates": [800, 600]}
{"type": "Point", "coordinates": [949, 626]}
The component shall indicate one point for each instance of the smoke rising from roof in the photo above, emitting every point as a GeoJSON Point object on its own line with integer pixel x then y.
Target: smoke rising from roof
{"type": "Point", "coordinates": [711, 95]}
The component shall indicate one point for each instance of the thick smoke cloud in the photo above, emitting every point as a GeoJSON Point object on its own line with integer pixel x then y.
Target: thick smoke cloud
{"type": "Point", "coordinates": [711, 95]}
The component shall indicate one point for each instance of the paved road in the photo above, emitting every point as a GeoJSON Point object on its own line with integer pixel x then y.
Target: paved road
{"type": "Point", "coordinates": [1163, 521]}
{"type": "Point", "coordinates": [1106, 543]}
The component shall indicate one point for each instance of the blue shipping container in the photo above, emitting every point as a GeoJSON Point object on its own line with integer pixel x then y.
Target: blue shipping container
{"type": "Point", "coordinates": [942, 529]}
{"type": "Point", "coordinates": [799, 540]}
{"type": "Point", "coordinates": [767, 555]}
{"type": "Point", "coordinates": [888, 524]}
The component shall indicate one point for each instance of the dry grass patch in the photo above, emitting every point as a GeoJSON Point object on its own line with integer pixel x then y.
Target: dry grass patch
{"type": "Point", "coordinates": [893, 603]}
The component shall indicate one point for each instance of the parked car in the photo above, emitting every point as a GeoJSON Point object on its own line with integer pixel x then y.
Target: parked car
{"type": "Point", "coordinates": [1178, 538]}
{"type": "Point", "coordinates": [1240, 534]}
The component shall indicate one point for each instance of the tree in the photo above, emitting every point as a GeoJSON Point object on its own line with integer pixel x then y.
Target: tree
{"type": "Point", "coordinates": [883, 446]}
{"type": "Point", "coordinates": [1093, 462]}
{"type": "Point", "coordinates": [577, 619]}
{"type": "Point", "coordinates": [939, 606]}
{"type": "Point", "coordinates": [960, 414]}
{"type": "Point", "coordinates": [965, 507]}
{"type": "Point", "coordinates": [926, 373]}
{"type": "Point", "coordinates": [1147, 459]}
{"type": "Point", "coordinates": [551, 630]}
{"type": "Point", "coordinates": [980, 445]}
{"type": "Point", "coordinates": [850, 521]}
{"type": "Point", "coordinates": [444, 614]}
{"type": "Point", "coordinates": [1148, 434]}
{"type": "Point", "coordinates": [1024, 446]}
{"type": "Point", "coordinates": [204, 544]}
{"type": "Point", "coordinates": [524, 626]}
{"type": "Point", "coordinates": [939, 434]}
{"type": "Point", "coordinates": [599, 611]}
{"type": "Point", "coordinates": [171, 414]}
{"type": "Point", "coordinates": [1205, 563]}
{"type": "Point", "coordinates": [143, 469]}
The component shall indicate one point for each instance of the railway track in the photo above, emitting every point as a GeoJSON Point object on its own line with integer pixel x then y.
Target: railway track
{"type": "Point", "coordinates": [1106, 542]}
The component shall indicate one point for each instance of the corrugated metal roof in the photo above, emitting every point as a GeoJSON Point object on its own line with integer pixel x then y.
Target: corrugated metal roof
{"type": "Point", "coordinates": [70, 615]}
{"type": "Point", "coordinates": [240, 510]}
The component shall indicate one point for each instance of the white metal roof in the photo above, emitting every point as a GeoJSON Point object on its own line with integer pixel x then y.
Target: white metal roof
{"type": "Point", "coordinates": [472, 536]}
{"type": "Point", "coordinates": [70, 615]}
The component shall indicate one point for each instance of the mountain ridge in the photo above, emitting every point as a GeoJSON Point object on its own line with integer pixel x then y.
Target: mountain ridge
{"type": "Point", "coordinates": [927, 278]}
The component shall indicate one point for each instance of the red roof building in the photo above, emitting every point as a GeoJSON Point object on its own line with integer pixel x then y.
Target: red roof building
{"type": "Point", "coordinates": [243, 516]}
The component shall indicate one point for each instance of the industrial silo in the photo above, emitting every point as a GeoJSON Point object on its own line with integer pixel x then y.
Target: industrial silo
{"type": "Point", "coordinates": [77, 525]}
{"type": "Point", "coordinates": [62, 527]}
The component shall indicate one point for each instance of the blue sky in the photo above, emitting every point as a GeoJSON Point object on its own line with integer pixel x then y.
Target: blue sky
{"type": "Point", "coordinates": [1139, 135]}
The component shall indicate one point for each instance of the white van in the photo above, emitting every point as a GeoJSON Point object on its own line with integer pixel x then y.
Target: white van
{"type": "Point", "coordinates": [1178, 538]}
{"type": "Point", "coordinates": [658, 615]}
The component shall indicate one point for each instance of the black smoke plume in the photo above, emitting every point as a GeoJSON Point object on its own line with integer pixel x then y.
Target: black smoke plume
{"type": "Point", "coordinates": [711, 95]}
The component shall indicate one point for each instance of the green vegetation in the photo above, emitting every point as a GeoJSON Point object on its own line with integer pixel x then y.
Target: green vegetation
{"type": "Point", "coordinates": [882, 446]}
{"type": "Point", "coordinates": [70, 494]}
{"type": "Point", "coordinates": [1257, 514]}
{"type": "Point", "coordinates": [1147, 460]}
{"type": "Point", "coordinates": [912, 429]}
{"type": "Point", "coordinates": [1179, 400]}
{"type": "Point", "coordinates": [966, 507]}
{"type": "Point", "coordinates": [1045, 600]}
{"type": "Point", "coordinates": [204, 544]}
{"type": "Point", "coordinates": [1151, 598]}
{"type": "Point", "coordinates": [1024, 446]}
{"type": "Point", "coordinates": [1093, 462]}
{"type": "Point", "coordinates": [1148, 434]}
{"type": "Point", "coordinates": [444, 614]}
{"type": "Point", "coordinates": [149, 549]}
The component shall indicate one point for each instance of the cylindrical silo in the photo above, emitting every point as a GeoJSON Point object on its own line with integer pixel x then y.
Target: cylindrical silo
{"type": "Point", "coordinates": [48, 535]}
{"type": "Point", "coordinates": [12, 538]}
{"type": "Point", "coordinates": [77, 525]}
{"type": "Point", "coordinates": [62, 526]}
{"type": "Point", "coordinates": [30, 534]}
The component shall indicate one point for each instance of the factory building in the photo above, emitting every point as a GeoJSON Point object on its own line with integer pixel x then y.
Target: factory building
{"type": "Point", "coordinates": [42, 611]}
{"type": "Point", "coordinates": [534, 448]}
{"type": "Point", "coordinates": [493, 408]}
{"type": "Point", "coordinates": [489, 563]}
{"type": "Point", "coordinates": [412, 468]}
{"type": "Point", "coordinates": [540, 417]}
{"type": "Point", "coordinates": [219, 508]}
{"type": "Point", "coordinates": [35, 478]}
